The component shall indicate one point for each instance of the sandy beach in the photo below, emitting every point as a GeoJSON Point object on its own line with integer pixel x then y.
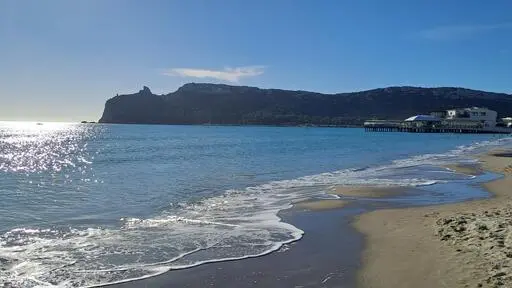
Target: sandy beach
{"type": "Point", "coordinates": [466, 244]}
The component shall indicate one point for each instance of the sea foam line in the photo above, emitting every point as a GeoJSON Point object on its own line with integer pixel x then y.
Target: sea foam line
{"type": "Point", "coordinates": [277, 188]}
{"type": "Point", "coordinates": [164, 269]}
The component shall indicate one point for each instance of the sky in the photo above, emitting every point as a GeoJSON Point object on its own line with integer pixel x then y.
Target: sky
{"type": "Point", "coordinates": [61, 60]}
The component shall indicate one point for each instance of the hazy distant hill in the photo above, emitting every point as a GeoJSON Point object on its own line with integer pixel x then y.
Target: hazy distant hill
{"type": "Point", "coordinates": [223, 104]}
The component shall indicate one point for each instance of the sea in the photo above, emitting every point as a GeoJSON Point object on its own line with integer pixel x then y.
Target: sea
{"type": "Point", "coordinates": [89, 204]}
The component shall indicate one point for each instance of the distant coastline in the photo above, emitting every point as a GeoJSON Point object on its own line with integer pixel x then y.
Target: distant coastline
{"type": "Point", "coordinates": [218, 104]}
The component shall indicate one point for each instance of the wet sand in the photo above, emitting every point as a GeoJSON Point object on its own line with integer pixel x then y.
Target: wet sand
{"type": "Point", "coordinates": [466, 244]}
{"type": "Point", "coordinates": [327, 256]}
{"type": "Point", "coordinates": [318, 205]}
{"type": "Point", "coordinates": [368, 191]}
{"type": "Point", "coordinates": [468, 169]}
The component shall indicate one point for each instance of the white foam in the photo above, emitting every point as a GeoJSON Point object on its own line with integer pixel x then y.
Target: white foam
{"type": "Point", "coordinates": [236, 225]}
{"type": "Point", "coordinates": [132, 223]}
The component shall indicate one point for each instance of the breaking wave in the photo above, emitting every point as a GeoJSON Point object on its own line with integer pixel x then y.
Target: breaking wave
{"type": "Point", "coordinates": [235, 225]}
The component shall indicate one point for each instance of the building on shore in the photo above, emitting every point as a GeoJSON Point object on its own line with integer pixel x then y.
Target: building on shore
{"type": "Point", "coordinates": [461, 120]}
{"type": "Point", "coordinates": [420, 121]}
{"type": "Point", "coordinates": [507, 121]}
{"type": "Point", "coordinates": [474, 117]}
{"type": "Point", "coordinates": [486, 116]}
{"type": "Point", "coordinates": [439, 114]}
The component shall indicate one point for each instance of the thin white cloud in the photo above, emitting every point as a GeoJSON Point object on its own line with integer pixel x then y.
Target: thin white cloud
{"type": "Point", "coordinates": [227, 74]}
{"type": "Point", "coordinates": [457, 32]}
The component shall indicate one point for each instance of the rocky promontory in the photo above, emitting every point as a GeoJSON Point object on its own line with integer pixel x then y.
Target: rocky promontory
{"type": "Point", "coordinates": [197, 103]}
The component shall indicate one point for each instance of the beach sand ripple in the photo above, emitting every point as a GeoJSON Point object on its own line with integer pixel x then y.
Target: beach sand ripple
{"type": "Point", "coordinates": [484, 235]}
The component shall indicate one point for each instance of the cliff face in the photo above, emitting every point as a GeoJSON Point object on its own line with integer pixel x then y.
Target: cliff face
{"type": "Point", "coordinates": [223, 104]}
{"type": "Point", "coordinates": [141, 107]}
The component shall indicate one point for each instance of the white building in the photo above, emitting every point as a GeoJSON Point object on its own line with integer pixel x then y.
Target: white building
{"type": "Point", "coordinates": [483, 115]}
{"type": "Point", "coordinates": [507, 121]}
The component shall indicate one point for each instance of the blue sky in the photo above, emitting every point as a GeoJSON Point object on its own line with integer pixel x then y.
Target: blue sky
{"type": "Point", "coordinates": [60, 60]}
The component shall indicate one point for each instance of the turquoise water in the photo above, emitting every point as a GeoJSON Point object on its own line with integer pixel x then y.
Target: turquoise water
{"type": "Point", "coordinates": [86, 204]}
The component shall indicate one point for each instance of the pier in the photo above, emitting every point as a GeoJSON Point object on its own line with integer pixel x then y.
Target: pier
{"type": "Point", "coordinates": [437, 127]}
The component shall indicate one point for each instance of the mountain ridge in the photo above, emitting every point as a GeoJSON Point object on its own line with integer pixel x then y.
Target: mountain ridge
{"type": "Point", "coordinates": [199, 103]}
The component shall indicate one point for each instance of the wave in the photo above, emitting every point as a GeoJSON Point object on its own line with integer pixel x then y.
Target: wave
{"type": "Point", "coordinates": [235, 225]}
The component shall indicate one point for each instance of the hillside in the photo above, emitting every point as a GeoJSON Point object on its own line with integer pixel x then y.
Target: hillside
{"type": "Point", "coordinates": [195, 103]}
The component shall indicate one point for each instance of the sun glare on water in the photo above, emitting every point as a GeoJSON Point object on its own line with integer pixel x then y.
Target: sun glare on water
{"type": "Point", "coordinates": [40, 146]}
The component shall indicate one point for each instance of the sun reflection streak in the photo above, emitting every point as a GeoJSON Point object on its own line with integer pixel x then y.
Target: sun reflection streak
{"type": "Point", "coordinates": [32, 147]}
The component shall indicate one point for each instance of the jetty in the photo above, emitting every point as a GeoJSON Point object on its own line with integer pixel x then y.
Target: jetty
{"type": "Point", "coordinates": [473, 120]}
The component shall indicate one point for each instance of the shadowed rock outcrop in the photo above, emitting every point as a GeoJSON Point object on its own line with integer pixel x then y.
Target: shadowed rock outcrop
{"type": "Point", "coordinates": [197, 103]}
